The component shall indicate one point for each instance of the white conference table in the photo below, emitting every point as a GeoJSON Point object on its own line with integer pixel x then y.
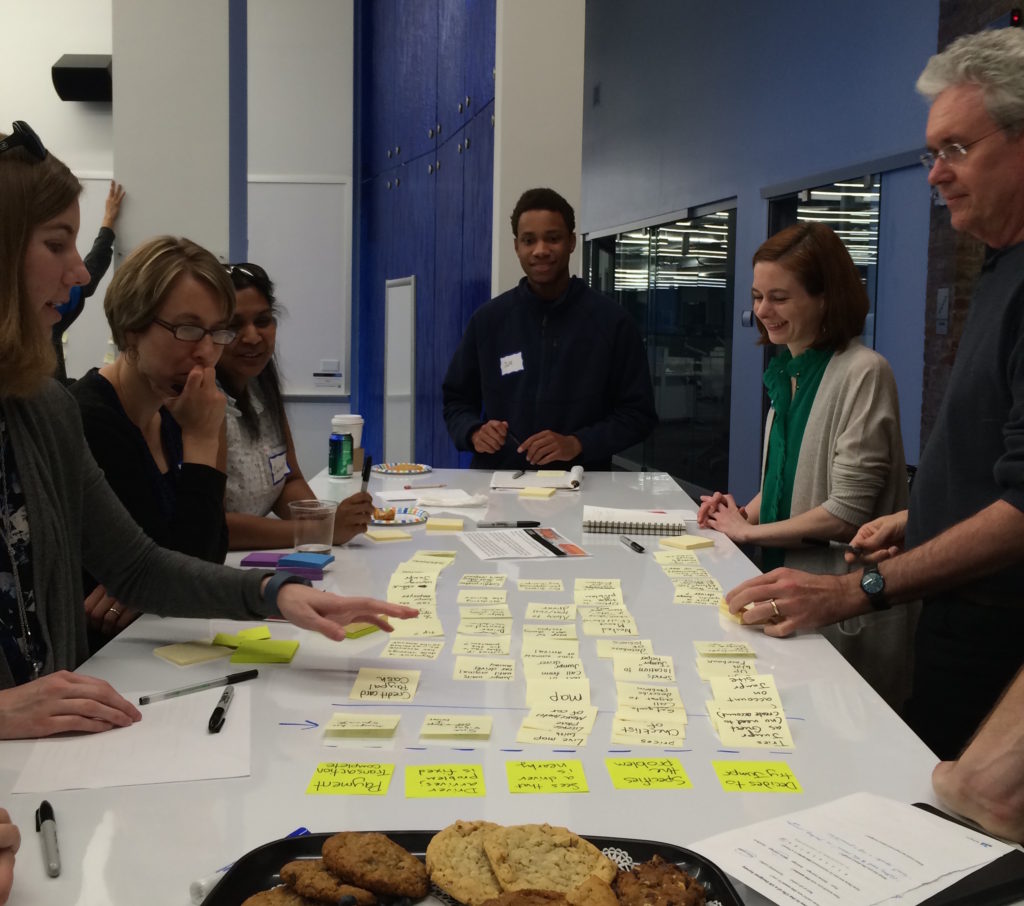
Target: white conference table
{"type": "Point", "coordinates": [144, 844]}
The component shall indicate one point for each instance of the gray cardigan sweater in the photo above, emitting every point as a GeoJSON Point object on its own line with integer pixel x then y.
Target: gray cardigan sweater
{"type": "Point", "coordinates": [76, 521]}
{"type": "Point", "coordinates": [851, 458]}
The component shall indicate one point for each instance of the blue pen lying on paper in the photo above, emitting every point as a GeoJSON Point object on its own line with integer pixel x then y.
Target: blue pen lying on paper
{"type": "Point", "coordinates": [46, 825]}
{"type": "Point", "coordinates": [200, 687]}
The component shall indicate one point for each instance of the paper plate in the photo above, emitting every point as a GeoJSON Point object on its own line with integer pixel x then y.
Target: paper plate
{"type": "Point", "coordinates": [404, 515]}
{"type": "Point", "coordinates": [401, 468]}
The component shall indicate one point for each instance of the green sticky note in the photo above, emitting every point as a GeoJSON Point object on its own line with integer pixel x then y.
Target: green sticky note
{"type": "Point", "coordinates": [756, 777]}
{"type": "Point", "coordinates": [265, 651]}
{"type": "Point", "coordinates": [346, 778]}
{"type": "Point", "coordinates": [647, 774]}
{"type": "Point", "coordinates": [564, 776]}
{"type": "Point", "coordinates": [444, 781]}
{"type": "Point", "coordinates": [254, 633]}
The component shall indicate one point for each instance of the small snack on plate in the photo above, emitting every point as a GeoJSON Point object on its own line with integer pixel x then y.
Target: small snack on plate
{"type": "Point", "coordinates": [311, 878]}
{"type": "Point", "coordinates": [384, 514]}
{"type": "Point", "coordinates": [376, 863]}
{"type": "Point", "coordinates": [458, 864]}
{"type": "Point", "coordinates": [658, 883]}
{"type": "Point", "coordinates": [528, 898]}
{"type": "Point", "coordinates": [278, 896]}
{"type": "Point", "coordinates": [543, 857]}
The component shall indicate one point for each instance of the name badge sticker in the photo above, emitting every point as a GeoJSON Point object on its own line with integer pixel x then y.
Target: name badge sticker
{"type": "Point", "coordinates": [510, 364]}
{"type": "Point", "coordinates": [279, 468]}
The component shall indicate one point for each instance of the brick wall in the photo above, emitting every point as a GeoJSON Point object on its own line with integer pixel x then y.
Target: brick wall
{"type": "Point", "coordinates": [954, 260]}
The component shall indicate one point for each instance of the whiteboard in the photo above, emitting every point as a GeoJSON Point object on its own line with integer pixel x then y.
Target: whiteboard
{"type": "Point", "coordinates": [399, 369]}
{"type": "Point", "coordinates": [300, 232]}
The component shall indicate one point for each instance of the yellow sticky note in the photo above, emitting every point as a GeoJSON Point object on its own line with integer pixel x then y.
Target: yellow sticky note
{"type": "Point", "coordinates": [652, 700]}
{"type": "Point", "coordinates": [647, 668]}
{"type": "Point", "coordinates": [723, 611]}
{"type": "Point", "coordinates": [343, 778]}
{"type": "Point", "coordinates": [444, 555]}
{"type": "Point", "coordinates": [253, 633]}
{"type": "Point", "coordinates": [437, 524]}
{"type": "Point", "coordinates": [456, 726]}
{"type": "Point", "coordinates": [760, 726]}
{"type": "Point", "coordinates": [542, 646]}
{"type": "Point", "coordinates": [552, 612]}
{"type": "Point", "coordinates": [380, 684]}
{"type": "Point", "coordinates": [648, 731]}
{"type": "Point", "coordinates": [598, 596]}
{"type": "Point", "coordinates": [552, 736]}
{"type": "Point", "coordinates": [484, 668]}
{"type": "Point", "coordinates": [550, 473]}
{"type": "Point", "coordinates": [745, 691]}
{"type": "Point", "coordinates": [647, 774]}
{"type": "Point", "coordinates": [387, 534]}
{"type": "Point", "coordinates": [485, 612]}
{"type": "Point", "coordinates": [565, 776]}
{"type": "Point", "coordinates": [611, 647]}
{"type": "Point", "coordinates": [555, 693]}
{"type": "Point", "coordinates": [546, 631]}
{"type": "Point", "coordinates": [676, 557]}
{"type": "Point", "coordinates": [265, 651]}
{"type": "Point", "coordinates": [403, 648]}
{"type": "Point", "coordinates": [708, 667]}
{"type": "Point", "coordinates": [578, 720]}
{"type": "Point", "coordinates": [482, 646]}
{"type": "Point", "coordinates": [374, 726]}
{"type": "Point", "coordinates": [186, 653]}
{"type": "Point", "coordinates": [537, 492]}
{"type": "Point", "coordinates": [625, 625]}
{"type": "Point", "coordinates": [421, 627]}
{"type": "Point", "coordinates": [584, 584]}
{"type": "Point", "coordinates": [485, 627]}
{"type": "Point", "coordinates": [553, 668]}
{"type": "Point", "coordinates": [756, 777]}
{"type": "Point", "coordinates": [725, 649]}
{"type": "Point", "coordinates": [444, 781]}
{"type": "Point", "coordinates": [483, 596]}
{"type": "Point", "coordinates": [483, 580]}
{"type": "Point", "coordinates": [541, 585]}
{"type": "Point", "coordinates": [687, 542]}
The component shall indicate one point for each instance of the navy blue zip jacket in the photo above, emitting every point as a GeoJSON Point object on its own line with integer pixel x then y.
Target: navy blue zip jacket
{"type": "Point", "coordinates": [575, 366]}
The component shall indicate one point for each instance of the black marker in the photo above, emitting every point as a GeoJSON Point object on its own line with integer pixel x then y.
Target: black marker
{"type": "Point", "coordinates": [837, 545]}
{"type": "Point", "coordinates": [522, 523]}
{"type": "Point", "coordinates": [46, 825]}
{"type": "Point", "coordinates": [629, 542]}
{"type": "Point", "coordinates": [220, 712]}
{"type": "Point", "coordinates": [367, 465]}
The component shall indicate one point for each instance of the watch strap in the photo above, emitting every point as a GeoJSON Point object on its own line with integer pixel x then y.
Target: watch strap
{"type": "Point", "coordinates": [277, 582]}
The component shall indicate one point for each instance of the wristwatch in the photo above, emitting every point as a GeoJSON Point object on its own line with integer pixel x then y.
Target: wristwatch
{"type": "Point", "coordinates": [872, 583]}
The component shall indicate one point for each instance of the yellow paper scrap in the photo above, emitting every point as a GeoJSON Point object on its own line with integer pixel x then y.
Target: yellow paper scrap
{"type": "Point", "coordinates": [647, 774]}
{"type": "Point", "coordinates": [585, 584]}
{"type": "Point", "coordinates": [578, 719]}
{"type": "Point", "coordinates": [745, 691]}
{"type": "Point", "coordinates": [611, 647]}
{"type": "Point", "coordinates": [725, 613]}
{"type": "Point", "coordinates": [687, 542]}
{"type": "Point", "coordinates": [485, 627]}
{"type": "Point", "coordinates": [485, 612]}
{"type": "Point", "coordinates": [374, 726]}
{"type": "Point", "coordinates": [343, 778]}
{"type": "Point", "coordinates": [254, 633]}
{"type": "Point", "coordinates": [650, 700]}
{"type": "Point", "coordinates": [445, 555]}
{"type": "Point", "coordinates": [708, 667]}
{"type": "Point", "coordinates": [403, 648]}
{"type": "Point", "coordinates": [456, 726]}
{"type": "Point", "coordinates": [558, 693]}
{"type": "Point", "coordinates": [761, 727]}
{"type": "Point", "coordinates": [700, 597]}
{"type": "Point", "coordinates": [550, 473]}
{"type": "Point", "coordinates": [381, 684]}
{"type": "Point", "coordinates": [756, 777]}
{"type": "Point", "coordinates": [437, 524]}
{"type": "Point", "coordinates": [551, 736]}
{"type": "Point", "coordinates": [265, 651]}
{"type": "Point", "coordinates": [387, 534]}
{"type": "Point", "coordinates": [541, 585]}
{"type": "Point", "coordinates": [622, 626]}
{"type": "Point", "coordinates": [648, 731]}
{"type": "Point", "coordinates": [725, 649]}
{"type": "Point", "coordinates": [563, 776]}
{"type": "Point", "coordinates": [537, 492]}
{"type": "Point", "coordinates": [421, 627]}
{"type": "Point", "coordinates": [483, 580]}
{"type": "Point", "coordinates": [598, 596]}
{"type": "Point", "coordinates": [484, 668]}
{"type": "Point", "coordinates": [552, 612]}
{"type": "Point", "coordinates": [647, 668]}
{"type": "Point", "coordinates": [444, 781]}
{"type": "Point", "coordinates": [185, 654]}
{"type": "Point", "coordinates": [468, 596]}
{"type": "Point", "coordinates": [676, 557]}
{"type": "Point", "coordinates": [553, 668]}
{"type": "Point", "coordinates": [543, 630]}
{"type": "Point", "coordinates": [540, 646]}
{"type": "Point", "coordinates": [481, 646]}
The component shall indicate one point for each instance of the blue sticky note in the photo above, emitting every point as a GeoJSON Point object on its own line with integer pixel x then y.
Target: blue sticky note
{"type": "Point", "coordinates": [305, 559]}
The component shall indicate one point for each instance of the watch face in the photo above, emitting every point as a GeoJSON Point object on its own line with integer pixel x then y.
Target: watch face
{"type": "Point", "coordinates": [872, 582]}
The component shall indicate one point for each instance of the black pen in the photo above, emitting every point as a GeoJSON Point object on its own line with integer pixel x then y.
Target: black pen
{"type": "Point", "coordinates": [367, 465]}
{"type": "Point", "coordinates": [837, 545]}
{"type": "Point", "coordinates": [522, 523]}
{"type": "Point", "coordinates": [220, 712]}
{"type": "Point", "coordinates": [46, 825]}
{"type": "Point", "coordinates": [639, 548]}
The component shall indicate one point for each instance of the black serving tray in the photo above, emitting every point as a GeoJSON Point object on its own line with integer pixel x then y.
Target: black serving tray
{"type": "Point", "coordinates": [258, 870]}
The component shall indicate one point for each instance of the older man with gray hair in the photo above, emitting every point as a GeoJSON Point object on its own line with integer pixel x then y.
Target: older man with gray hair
{"type": "Point", "coordinates": [962, 546]}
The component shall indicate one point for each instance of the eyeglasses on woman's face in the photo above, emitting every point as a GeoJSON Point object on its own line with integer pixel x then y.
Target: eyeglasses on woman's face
{"type": "Point", "coordinates": [23, 136]}
{"type": "Point", "coordinates": [193, 333]}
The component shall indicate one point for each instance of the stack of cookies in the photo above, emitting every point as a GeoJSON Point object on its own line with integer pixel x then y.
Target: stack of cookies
{"type": "Point", "coordinates": [357, 869]}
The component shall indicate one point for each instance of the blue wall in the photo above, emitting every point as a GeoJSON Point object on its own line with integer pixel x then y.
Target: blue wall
{"type": "Point", "coordinates": [702, 101]}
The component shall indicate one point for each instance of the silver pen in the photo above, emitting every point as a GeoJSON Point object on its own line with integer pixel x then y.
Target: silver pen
{"type": "Point", "coordinates": [46, 825]}
{"type": "Point", "coordinates": [200, 687]}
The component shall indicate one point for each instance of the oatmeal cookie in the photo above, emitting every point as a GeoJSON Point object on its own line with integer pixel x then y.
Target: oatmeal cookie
{"type": "Point", "coordinates": [592, 892]}
{"type": "Point", "coordinates": [457, 863]}
{"type": "Point", "coordinates": [658, 883]}
{"type": "Point", "coordinates": [312, 879]}
{"type": "Point", "coordinates": [278, 896]}
{"type": "Point", "coordinates": [542, 857]}
{"type": "Point", "coordinates": [528, 898]}
{"type": "Point", "coordinates": [376, 863]}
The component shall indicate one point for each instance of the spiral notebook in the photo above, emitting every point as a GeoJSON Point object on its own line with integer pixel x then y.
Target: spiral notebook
{"type": "Point", "coordinates": [606, 519]}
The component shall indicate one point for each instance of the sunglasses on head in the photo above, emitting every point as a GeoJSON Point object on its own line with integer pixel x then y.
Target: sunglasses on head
{"type": "Point", "coordinates": [252, 271]}
{"type": "Point", "coordinates": [24, 136]}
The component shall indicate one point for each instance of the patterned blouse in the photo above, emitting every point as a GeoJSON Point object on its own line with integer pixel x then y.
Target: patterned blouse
{"type": "Point", "coordinates": [257, 466]}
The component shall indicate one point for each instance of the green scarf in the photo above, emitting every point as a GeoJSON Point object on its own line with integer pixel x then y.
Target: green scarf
{"type": "Point", "coordinates": [792, 410]}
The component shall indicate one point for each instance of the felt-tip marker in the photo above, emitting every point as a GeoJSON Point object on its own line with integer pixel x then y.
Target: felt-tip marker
{"type": "Point", "coordinates": [835, 545]}
{"type": "Point", "coordinates": [522, 523]}
{"type": "Point", "coordinates": [629, 542]}
{"type": "Point", "coordinates": [367, 465]}
{"type": "Point", "coordinates": [220, 712]}
{"type": "Point", "coordinates": [46, 825]}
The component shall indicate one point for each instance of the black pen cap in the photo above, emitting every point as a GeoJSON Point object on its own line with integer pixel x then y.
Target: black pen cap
{"type": "Point", "coordinates": [43, 813]}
